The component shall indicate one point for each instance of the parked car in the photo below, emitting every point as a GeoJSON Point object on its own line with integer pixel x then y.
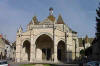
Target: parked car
{"type": "Point", "coordinates": [4, 63]}
{"type": "Point", "coordinates": [93, 63]}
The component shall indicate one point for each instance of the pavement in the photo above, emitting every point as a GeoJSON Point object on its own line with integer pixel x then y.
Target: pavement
{"type": "Point", "coordinates": [40, 64]}
{"type": "Point", "coordinates": [14, 64]}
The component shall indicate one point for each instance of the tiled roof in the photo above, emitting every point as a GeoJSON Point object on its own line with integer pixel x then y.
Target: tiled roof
{"type": "Point", "coordinates": [0, 36]}
{"type": "Point", "coordinates": [4, 41]}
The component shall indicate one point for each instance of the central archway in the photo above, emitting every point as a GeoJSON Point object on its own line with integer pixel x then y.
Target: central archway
{"type": "Point", "coordinates": [44, 48]}
{"type": "Point", "coordinates": [61, 51]}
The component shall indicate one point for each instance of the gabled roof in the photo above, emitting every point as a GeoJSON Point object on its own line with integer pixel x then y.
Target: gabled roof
{"type": "Point", "coordinates": [60, 20]}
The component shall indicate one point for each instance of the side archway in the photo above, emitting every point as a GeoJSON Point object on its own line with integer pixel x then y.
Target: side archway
{"type": "Point", "coordinates": [61, 51]}
{"type": "Point", "coordinates": [26, 51]}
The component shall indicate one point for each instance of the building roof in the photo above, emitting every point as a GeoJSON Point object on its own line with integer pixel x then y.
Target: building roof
{"type": "Point", "coordinates": [86, 39]}
{"type": "Point", "coordinates": [34, 21]}
{"type": "Point", "coordinates": [46, 22]}
{"type": "Point", "coordinates": [60, 20]}
{"type": "Point", "coordinates": [0, 36]}
{"type": "Point", "coordinates": [50, 20]}
{"type": "Point", "coordinates": [4, 41]}
{"type": "Point", "coordinates": [14, 44]}
{"type": "Point", "coordinates": [80, 41]}
{"type": "Point", "coordinates": [51, 17]}
{"type": "Point", "coordinates": [30, 23]}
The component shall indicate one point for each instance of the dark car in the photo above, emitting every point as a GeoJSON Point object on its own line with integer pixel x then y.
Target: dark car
{"type": "Point", "coordinates": [93, 63]}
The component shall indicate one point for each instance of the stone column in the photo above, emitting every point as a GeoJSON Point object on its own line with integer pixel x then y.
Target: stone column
{"type": "Point", "coordinates": [38, 54]}
{"type": "Point", "coordinates": [77, 49]}
{"type": "Point", "coordinates": [18, 53]}
{"type": "Point", "coordinates": [22, 54]}
{"type": "Point", "coordinates": [55, 53]}
{"type": "Point", "coordinates": [68, 57]}
{"type": "Point", "coordinates": [32, 49]}
{"type": "Point", "coordinates": [18, 50]}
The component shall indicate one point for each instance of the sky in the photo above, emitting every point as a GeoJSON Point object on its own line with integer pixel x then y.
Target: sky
{"type": "Point", "coordinates": [79, 15]}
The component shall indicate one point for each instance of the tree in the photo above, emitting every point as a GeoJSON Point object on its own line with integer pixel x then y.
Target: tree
{"type": "Point", "coordinates": [98, 24]}
{"type": "Point", "coordinates": [88, 51]}
{"type": "Point", "coordinates": [82, 52]}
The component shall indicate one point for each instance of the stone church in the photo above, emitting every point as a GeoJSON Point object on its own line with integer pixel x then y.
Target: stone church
{"type": "Point", "coordinates": [49, 40]}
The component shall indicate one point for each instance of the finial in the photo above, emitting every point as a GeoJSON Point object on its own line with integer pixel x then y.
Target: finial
{"type": "Point", "coordinates": [51, 11]}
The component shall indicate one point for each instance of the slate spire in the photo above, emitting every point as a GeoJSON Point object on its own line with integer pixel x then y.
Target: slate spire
{"type": "Point", "coordinates": [86, 39]}
{"type": "Point", "coordinates": [34, 21]}
{"type": "Point", "coordinates": [60, 20]}
{"type": "Point", "coordinates": [20, 30]}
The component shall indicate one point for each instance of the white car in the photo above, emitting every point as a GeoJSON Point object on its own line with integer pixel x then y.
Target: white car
{"type": "Point", "coordinates": [4, 63]}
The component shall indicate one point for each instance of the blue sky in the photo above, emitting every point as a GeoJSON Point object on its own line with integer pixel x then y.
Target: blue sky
{"type": "Point", "coordinates": [77, 14]}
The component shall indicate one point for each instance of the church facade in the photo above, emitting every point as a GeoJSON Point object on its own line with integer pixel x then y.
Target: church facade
{"type": "Point", "coordinates": [48, 40]}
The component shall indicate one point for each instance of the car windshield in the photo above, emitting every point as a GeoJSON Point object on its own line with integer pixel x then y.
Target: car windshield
{"type": "Point", "coordinates": [4, 62]}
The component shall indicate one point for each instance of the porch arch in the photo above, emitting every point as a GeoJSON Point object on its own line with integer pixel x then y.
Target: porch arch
{"type": "Point", "coordinates": [44, 48]}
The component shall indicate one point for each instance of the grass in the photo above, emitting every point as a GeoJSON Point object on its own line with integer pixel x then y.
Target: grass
{"type": "Point", "coordinates": [34, 65]}
{"type": "Point", "coordinates": [46, 64]}
{"type": "Point", "coordinates": [27, 64]}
